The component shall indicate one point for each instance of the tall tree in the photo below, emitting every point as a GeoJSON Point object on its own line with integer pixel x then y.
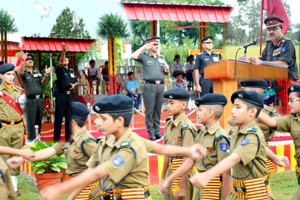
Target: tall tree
{"type": "Point", "coordinates": [66, 26]}
{"type": "Point", "coordinates": [7, 25]}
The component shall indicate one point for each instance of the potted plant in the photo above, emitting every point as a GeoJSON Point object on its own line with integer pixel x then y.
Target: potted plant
{"type": "Point", "coordinates": [47, 172]}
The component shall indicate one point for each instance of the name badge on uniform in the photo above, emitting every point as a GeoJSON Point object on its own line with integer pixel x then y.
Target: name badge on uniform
{"type": "Point", "coordinates": [149, 62]}
{"type": "Point", "coordinates": [216, 59]}
{"type": "Point", "coordinates": [35, 75]}
{"type": "Point", "coordinates": [162, 61]}
{"type": "Point", "coordinates": [72, 75]}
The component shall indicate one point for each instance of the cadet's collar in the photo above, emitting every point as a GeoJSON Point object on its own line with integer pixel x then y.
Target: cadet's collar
{"type": "Point", "coordinates": [250, 125]}
{"type": "Point", "coordinates": [110, 140]}
{"type": "Point", "coordinates": [213, 129]}
{"type": "Point", "coordinates": [178, 119]}
{"type": "Point", "coordinates": [79, 134]}
{"type": "Point", "coordinates": [151, 55]}
{"type": "Point", "coordinates": [123, 138]}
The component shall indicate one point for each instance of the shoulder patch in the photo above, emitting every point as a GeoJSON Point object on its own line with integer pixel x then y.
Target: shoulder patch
{"type": "Point", "coordinates": [224, 146]}
{"type": "Point", "coordinates": [118, 161]}
{"type": "Point", "coordinates": [245, 142]}
{"type": "Point", "coordinates": [125, 144]}
{"type": "Point", "coordinates": [251, 130]}
{"type": "Point", "coordinates": [184, 126]}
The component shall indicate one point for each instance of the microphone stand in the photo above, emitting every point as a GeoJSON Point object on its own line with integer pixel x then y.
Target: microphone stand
{"type": "Point", "coordinates": [234, 71]}
{"type": "Point", "coordinates": [245, 52]}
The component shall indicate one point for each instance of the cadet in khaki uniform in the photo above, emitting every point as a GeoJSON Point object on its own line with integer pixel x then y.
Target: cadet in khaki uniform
{"type": "Point", "coordinates": [248, 151]}
{"type": "Point", "coordinates": [259, 86]}
{"type": "Point", "coordinates": [12, 131]}
{"type": "Point", "coordinates": [289, 123]}
{"type": "Point", "coordinates": [128, 163]}
{"type": "Point", "coordinates": [180, 131]}
{"type": "Point", "coordinates": [213, 137]}
{"type": "Point", "coordinates": [77, 152]}
{"type": "Point", "coordinates": [6, 188]}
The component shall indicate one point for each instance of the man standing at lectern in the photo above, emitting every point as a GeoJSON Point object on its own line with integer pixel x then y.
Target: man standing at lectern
{"type": "Point", "coordinates": [203, 85]}
{"type": "Point", "coordinates": [279, 49]}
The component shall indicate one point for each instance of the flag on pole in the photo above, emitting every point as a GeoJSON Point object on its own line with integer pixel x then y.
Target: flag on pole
{"type": "Point", "coordinates": [276, 8]}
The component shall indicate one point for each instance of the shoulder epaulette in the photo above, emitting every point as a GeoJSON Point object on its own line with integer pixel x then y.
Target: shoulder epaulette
{"type": "Point", "coordinates": [125, 144]}
{"type": "Point", "coordinates": [85, 141]}
{"type": "Point", "coordinates": [251, 130]}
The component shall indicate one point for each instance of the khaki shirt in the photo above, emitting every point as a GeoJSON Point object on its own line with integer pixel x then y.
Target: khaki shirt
{"type": "Point", "coordinates": [174, 129]}
{"type": "Point", "coordinates": [6, 188]}
{"type": "Point", "coordinates": [252, 152]}
{"type": "Point", "coordinates": [7, 111]}
{"type": "Point", "coordinates": [131, 172]}
{"type": "Point", "coordinates": [76, 159]}
{"type": "Point", "coordinates": [214, 140]}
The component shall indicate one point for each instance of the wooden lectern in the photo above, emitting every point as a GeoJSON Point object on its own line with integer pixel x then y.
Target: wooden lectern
{"type": "Point", "coordinates": [227, 73]}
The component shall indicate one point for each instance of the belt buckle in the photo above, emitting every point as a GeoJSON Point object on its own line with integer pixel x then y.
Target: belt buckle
{"type": "Point", "coordinates": [12, 123]}
{"type": "Point", "coordinates": [68, 92]}
{"type": "Point", "coordinates": [157, 82]}
{"type": "Point", "coordinates": [37, 96]}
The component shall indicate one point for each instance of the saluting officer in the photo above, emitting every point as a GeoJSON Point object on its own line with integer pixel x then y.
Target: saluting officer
{"type": "Point", "coordinates": [65, 83]}
{"type": "Point", "coordinates": [12, 131]}
{"type": "Point", "coordinates": [32, 82]}
{"type": "Point", "coordinates": [155, 68]}
{"type": "Point", "coordinates": [204, 85]}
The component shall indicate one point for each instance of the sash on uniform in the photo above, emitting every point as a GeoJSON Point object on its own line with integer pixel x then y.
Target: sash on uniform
{"type": "Point", "coordinates": [11, 102]}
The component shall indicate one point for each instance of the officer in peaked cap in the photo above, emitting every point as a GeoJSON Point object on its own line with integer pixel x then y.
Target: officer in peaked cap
{"type": "Point", "coordinates": [6, 68]}
{"type": "Point", "coordinates": [118, 103]}
{"type": "Point", "coordinates": [203, 85]}
{"type": "Point", "coordinates": [248, 96]}
{"type": "Point", "coordinates": [254, 83]}
{"type": "Point", "coordinates": [273, 22]}
{"type": "Point", "coordinates": [207, 39]}
{"type": "Point", "coordinates": [211, 99]}
{"type": "Point", "coordinates": [155, 67]}
{"type": "Point", "coordinates": [177, 94]}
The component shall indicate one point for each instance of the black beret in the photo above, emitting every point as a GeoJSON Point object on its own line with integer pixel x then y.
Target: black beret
{"type": "Point", "coordinates": [153, 39]}
{"type": "Point", "coordinates": [79, 111]}
{"type": "Point", "coordinates": [118, 103]}
{"type": "Point", "coordinates": [248, 96]}
{"type": "Point", "coordinates": [207, 39]}
{"type": "Point", "coordinates": [211, 99]}
{"type": "Point", "coordinates": [254, 83]}
{"type": "Point", "coordinates": [294, 88]}
{"type": "Point", "coordinates": [177, 94]}
{"type": "Point", "coordinates": [6, 68]}
{"type": "Point", "coordinates": [273, 21]}
{"type": "Point", "coordinates": [180, 73]}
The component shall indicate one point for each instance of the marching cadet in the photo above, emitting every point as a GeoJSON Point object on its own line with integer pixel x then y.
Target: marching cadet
{"type": "Point", "coordinates": [213, 137]}
{"type": "Point", "coordinates": [259, 86]}
{"type": "Point", "coordinates": [6, 188]}
{"type": "Point", "coordinates": [77, 152]}
{"type": "Point", "coordinates": [289, 123]}
{"type": "Point", "coordinates": [248, 151]}
{"type": "Point", "coordinates": [12, 131]}
{"type": "Point", "coordinates": [126, 165]}
{"type": "Point", "coordinates": [180, 131]}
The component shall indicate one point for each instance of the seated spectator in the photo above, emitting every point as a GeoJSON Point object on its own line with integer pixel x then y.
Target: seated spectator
{"type": "Point", "coordinates": [177, 67]}
{"type": "Point", "coordinates": [189, 69]}
{"type": "Point", "coordinates": [47, 108]}
{"type": "Point", "coordinates": [132, 89]}
{"type": "Point", "coordinates": [104, 71]}
{"type": "Point", "coordinates": [180, 82]}
{"type": "Point", "coordinates": [93, 75]}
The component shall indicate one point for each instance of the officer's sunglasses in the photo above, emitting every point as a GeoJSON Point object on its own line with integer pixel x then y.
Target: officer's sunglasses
{"type": "Point", "coordinates": [28, 59]}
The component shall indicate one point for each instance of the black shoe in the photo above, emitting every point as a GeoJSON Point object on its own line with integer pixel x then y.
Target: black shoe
{"type": "Point", "coordinates": [158, 136]}
{"type": "Point", "coordinates": [18, 193]}
{"type": "Point", "coordinates": [152, 138]}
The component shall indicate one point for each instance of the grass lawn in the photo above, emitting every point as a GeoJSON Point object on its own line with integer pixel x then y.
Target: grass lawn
{"type": "Point", "coordinates": [283, 186]}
